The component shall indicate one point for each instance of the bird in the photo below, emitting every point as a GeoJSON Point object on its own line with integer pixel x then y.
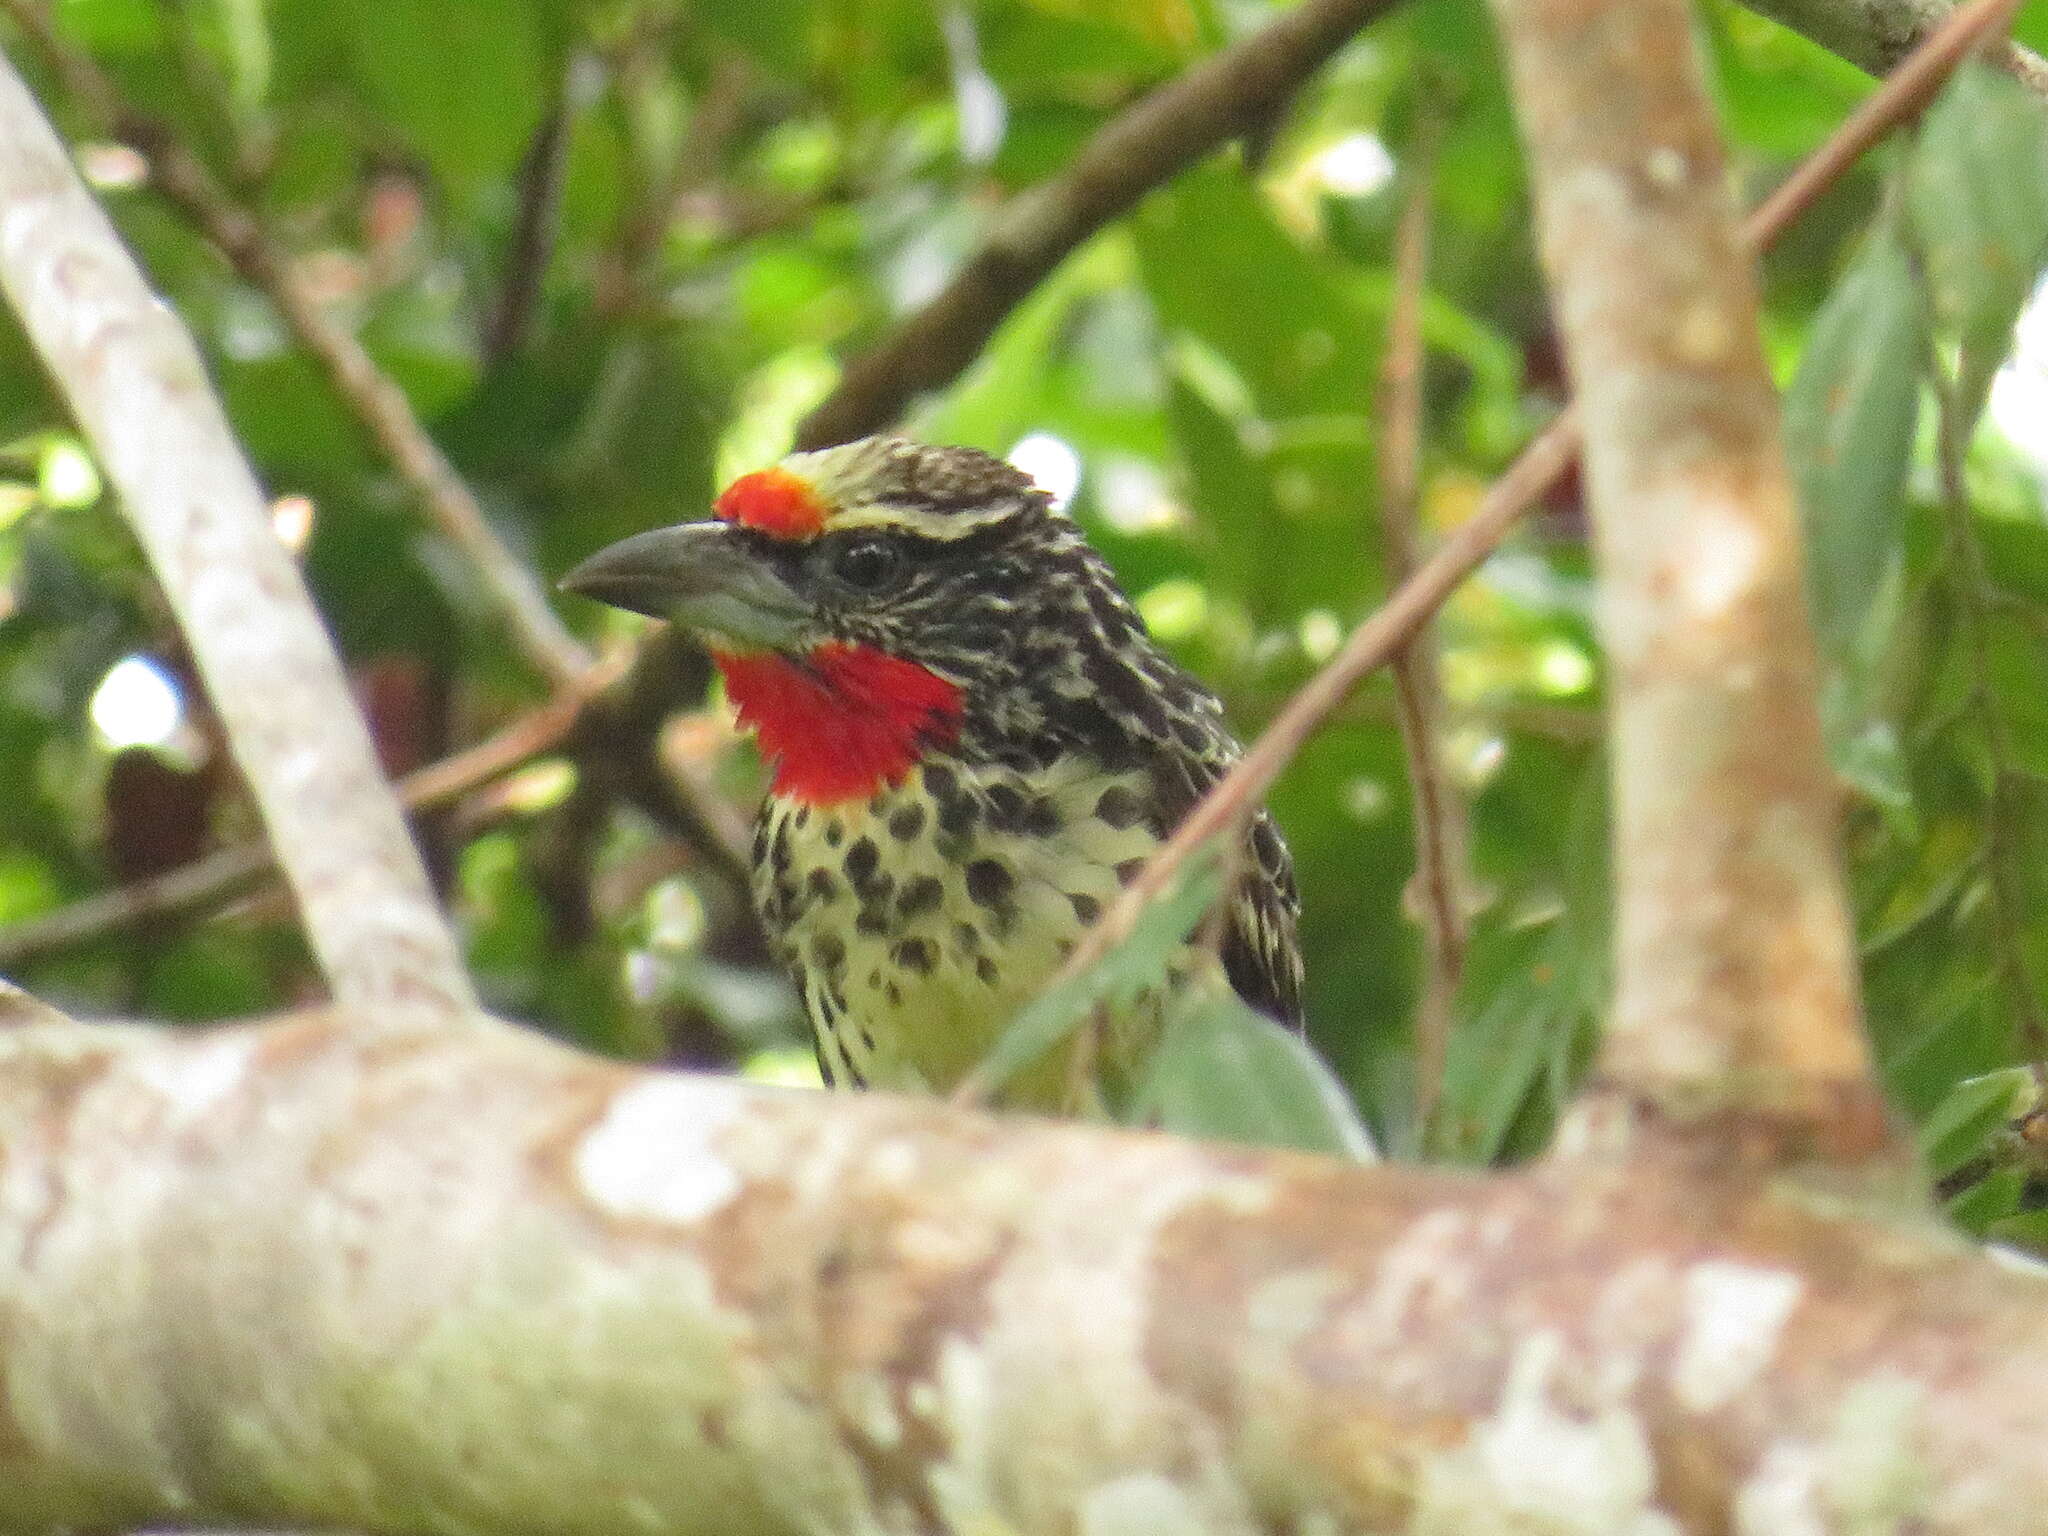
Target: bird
{"type": "Point", "coordinates": [973, 744]}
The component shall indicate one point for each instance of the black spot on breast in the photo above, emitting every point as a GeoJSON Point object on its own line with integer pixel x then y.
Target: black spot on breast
{"type": "Point", "coordinates": [940, 783]}
{"type": "Point", "coordinates": [761, 836]}
{"type": "Point", "coordinates": [1128, 870]}
{"type": "Point", "coordinates": [989, 883]}
{"type": "Point", "coordinates": [835, 834]}
{"type": "Point", "coordinates": [829, 950]}
{"type": "Point", "coordinates": [906, 821]}
{"type": "Point", "coordinates": [894, 993]}
{"type": "Point", "coordinates": [985, 968]}
{"type": "Point", "coordinates": [915, 955]}
{"type": "Point", "coordinates": [1119, 806]}
{"type": "Point", "coordinates": [1086, 907]}
{"type": "Point", "coordinates": [822, 885]}
{"type": "Point", "coordinates": [803, 817]}
{"type": "Point", "coordinates": [1006, 807]}
{"type": "Point", "coordinates": [967, 936]}
{"type": "Point", "coordinates": [1192, 736]}
{"type": "Point", "coordinates": [921, 895]}
{"type": "Point", "coordinates": [872, 921]}
{"type": "Point", "coordinates": [957, 817]}
{"type": "Point", "coordinates": [862, 860]}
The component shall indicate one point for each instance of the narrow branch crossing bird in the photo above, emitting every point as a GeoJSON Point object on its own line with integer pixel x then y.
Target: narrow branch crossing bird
{"type": "Point", "coordinates": [974, 744]}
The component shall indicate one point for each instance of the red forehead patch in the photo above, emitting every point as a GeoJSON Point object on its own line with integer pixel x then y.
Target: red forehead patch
{"type": "Point", "coordinates": [772, 501]}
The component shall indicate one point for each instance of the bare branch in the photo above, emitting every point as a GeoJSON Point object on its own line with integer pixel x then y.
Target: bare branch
{"type": "Point", "coordinates": [1554, 450]}
{"type": "Point", "coordinates": [136, 384]}
{"type": "Point", "coordinates": [377, 402]}
{"type": "Point", "coordinates": [1735, 1001]}
{"type": "Point", "coordinates": [225, 873]}
{"type": "Point", "coordinates": [1136, 151]}
{"type": "Point", "coordinates": [473, 1281]}
{"type": "Point", "coordinates": [585, 722]}
{"type": "Point", "coordinates": [543, 174]}
{"type": "Point", "coordinates": [1436, 893]}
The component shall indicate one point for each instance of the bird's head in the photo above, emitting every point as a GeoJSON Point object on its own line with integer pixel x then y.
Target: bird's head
{"type": "Point", "coordinates": [873, 602]}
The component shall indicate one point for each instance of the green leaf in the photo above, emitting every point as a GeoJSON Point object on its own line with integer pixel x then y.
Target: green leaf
{"type": "Point", "coordinates": [1849, 419]}
{"type": "Point", "coordinates": [465, 81]}
{"type": "Point", "coordinates": [1978, 194]}
{"type": "Point", "coordinates": [1303, 347]}
{"type": "Point", "coordinates": [1976, 1110]}
{"type": "Point", "coordinates": [1226, 1071]}
{"type": "Point", "coordinates": [2025, 1229]}
{"type": "Point", "coordinates": [1134, 966]}
{"type": "Point", "coordinates": [1990, 1201]}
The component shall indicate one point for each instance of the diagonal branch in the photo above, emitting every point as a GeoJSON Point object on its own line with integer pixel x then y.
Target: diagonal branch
{"type": "Point", "coordinates": [224, 873]}
{"type": "Point", "coordinates": [1139, 149]}
{"type": "Point", "coordinates": [375, 399]}
{"type": "Point", "coordinates": [1538, 468]}
{"type": "Point", "coordinates": [135, 382]}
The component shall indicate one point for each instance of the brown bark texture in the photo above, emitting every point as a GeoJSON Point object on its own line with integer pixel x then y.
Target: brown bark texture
{"type": "Point", "coordinates": [1735, 989]}
{"type": "Point", "coordinates": [469, 1280]}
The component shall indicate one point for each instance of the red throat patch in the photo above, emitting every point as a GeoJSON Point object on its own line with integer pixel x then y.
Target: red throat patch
{"type": "Point", "coordinates": [844, 721]}
{"type": "Point", "coordinates": [772, 501]}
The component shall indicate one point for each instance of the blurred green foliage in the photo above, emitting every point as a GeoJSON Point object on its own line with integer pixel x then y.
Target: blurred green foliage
{"type": "Point", "coordinates": [747, 195]}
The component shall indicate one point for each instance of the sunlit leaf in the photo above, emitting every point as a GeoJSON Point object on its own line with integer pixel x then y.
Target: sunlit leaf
{"type": "Point", "coordinates": [1849, 418]}
{"type": "Point", "coordinates": [1975, 1111]}
{"type": "Point", "coordinates": [1226, 1071]}
{"type": "Point", "coordinates": [1978, 188]}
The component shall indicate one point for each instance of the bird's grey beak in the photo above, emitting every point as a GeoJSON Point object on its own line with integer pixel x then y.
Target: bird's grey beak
{"type": "Point", "coordinates": [699, 575]}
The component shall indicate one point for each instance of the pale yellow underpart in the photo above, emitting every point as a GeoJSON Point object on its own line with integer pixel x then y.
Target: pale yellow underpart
{"type": "Point", "coordinates": [939, 1025]}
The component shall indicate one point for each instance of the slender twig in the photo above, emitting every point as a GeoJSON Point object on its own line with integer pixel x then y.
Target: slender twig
{"type": "Point", "coordinates": [377, 402]}
{"type": "Point", "coordinates": [133, 378]}
{"type": "Point", "coordinates": [224, 873]}
{"type": "Point", "coordinates": [1436, 893]}
{"type": "Point", "coordinates": [1137, 150]}
{"type": "Point", "coordinates": [1970, 582]}
{"type": "Point", "coordinates": [542, 176]}
{"type": "Point", "coordinates": [1539, 467]}
{"type": "Point", "coordinates": [1905, 91]}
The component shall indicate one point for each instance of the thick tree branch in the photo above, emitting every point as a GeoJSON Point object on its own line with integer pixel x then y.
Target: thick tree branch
{"type": "Point", "coordinates": [1735, 977]}
{"type": "Point", "coordinates": [1134, 152]}
{"type": "Point", "coordinates": [371, 395]}
{"type": "Point", "coordinates": [474, 1281]}
{"type": "Point", "coordinates": [136, 384]}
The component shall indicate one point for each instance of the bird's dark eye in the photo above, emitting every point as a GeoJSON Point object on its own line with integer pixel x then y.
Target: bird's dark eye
{"type": "Point", "coordinates": [867, 565]}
